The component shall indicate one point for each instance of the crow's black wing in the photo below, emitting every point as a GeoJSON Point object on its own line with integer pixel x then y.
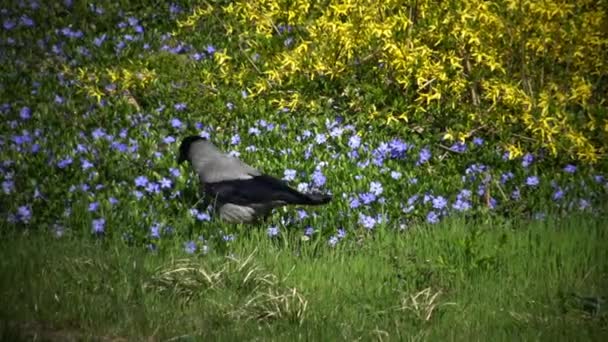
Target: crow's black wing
{"type": "Point", "coordinates": [259, 189]}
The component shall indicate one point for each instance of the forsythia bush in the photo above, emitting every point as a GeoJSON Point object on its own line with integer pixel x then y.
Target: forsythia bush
{"type": "Point", "coordinates": [529, 71]}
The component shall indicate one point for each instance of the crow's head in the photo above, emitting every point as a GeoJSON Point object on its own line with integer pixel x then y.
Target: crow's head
{"type": "Point", "coordinates": [184, 148]}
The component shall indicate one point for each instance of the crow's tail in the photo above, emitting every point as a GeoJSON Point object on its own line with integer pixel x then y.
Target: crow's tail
{"type": "Point", "coordinates": [317, 199]}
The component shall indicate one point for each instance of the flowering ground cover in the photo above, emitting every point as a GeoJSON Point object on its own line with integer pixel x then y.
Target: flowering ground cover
{"type": "Point", "coordinates": [443, 223]}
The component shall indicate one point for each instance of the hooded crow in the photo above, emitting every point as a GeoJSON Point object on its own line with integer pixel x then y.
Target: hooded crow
{"type": "Point", "coordinates": [240, 193]}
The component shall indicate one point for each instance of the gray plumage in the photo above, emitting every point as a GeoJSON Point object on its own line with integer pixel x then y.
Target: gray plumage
{"type": "Point", "coordinates": [239, 192]}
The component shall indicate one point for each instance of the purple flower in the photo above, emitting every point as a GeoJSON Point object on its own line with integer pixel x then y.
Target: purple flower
{"type": "Point", "coordinates": [367, 222]}
{"type": "Point", "coordinates": [155, 231]}
{"type": "Point", "coordinates": [333, 241]}
{"type": "Point", "coordinates": [24, 213]}
{"type": "Point", "coordinates": [25, 113]}
{"type": "Point", "coordinates": [98, 133]}
{"type": "Point", "coordinates": [318, 179]}
{"type": "Point", "coordinates": [9, 24]}
{"type": "Point", "coordinates": [461, 205]}
{"type": "Point", "coordinates": [210, 49]}
{"type": "Point", "coordinates": [272, 231]}
{"type": "Point", "coordinates": [8, 186]}
{"type": "Point", "coordinates": [174, 172]}
{"type": "Point", "coordinates": [516, 195]}
{"type": "Point", "coordinates": [478, 141]}
{"type": "Point", "coordinates": [165, 183]}
{"type": "Point", "coordinates": [354, 203]}
{"type": "Point", "coordinates": [439, 202]}
{"type": "Point", "coordinates": [376, 188]}
{"type": "Point", "coordinates": [141, 181]}
{"type": "Point", "coordinates": [86, 164]}
{"type": "Point", "coordinates": [558, 194]}
{"type": "Point", "coordinates": [570, 168]}
{"type": "Point", "coordinates": [62, 164]}
{"type": "Point", "coordinates": [176, 123]}
{"type": "Point", "coordinates": [190, 247]}
{"type": "Point", "coordinates": [203, 216]}
{"type": "Point", "coordinates": [432, 217]}
{"type": "Point", "coordinates": [527, 160]}
{"type": "Point", "coordinates": [99, 40]}
{"type": "Point", "coordinates": [583, 204]}
{"type": "Point", "coordinates": [459, 147]}
{"type": "Point", "coordinates": [235, 140]}
{"type": "Point", "coordinates": [395, 174]}
{"type": "Point", "coordinates": [424, 155]}
{"type": "Point", "coordinates": [98, 226]}
{"type": "Point", "coordinates": [532, 181]}
{"type": "Point", "coordinates": [179, 107]}
{"type": "Point", "coordinates": [398, 148]}
{"type": "Point", "coordinates": [367, 198]}
{"type": "Point", "coordinates": [341, 233]}
{"type": "Point", "coordinates": [289, 175]}
{"type": "Point", "coordinates": [599, 179]}
{"type": "Point", "coordinates": [354, 142]}
{"type": "Point", "coordinates": [320, 138]}
{"type": "Point", "coordinates": [93, 206]}
{"type": "Point", "coordinates": [505, 177]}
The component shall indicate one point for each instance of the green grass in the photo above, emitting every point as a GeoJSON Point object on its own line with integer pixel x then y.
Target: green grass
{"type": "Point", "coordinates": [457, 281]}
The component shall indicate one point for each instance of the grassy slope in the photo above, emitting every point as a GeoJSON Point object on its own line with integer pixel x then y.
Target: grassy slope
{"type": "Point", "coordinates": [496, 282]}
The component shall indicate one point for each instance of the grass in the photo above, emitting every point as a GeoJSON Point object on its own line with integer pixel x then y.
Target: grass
{"type": "Point", "coordinates": [456, 281]}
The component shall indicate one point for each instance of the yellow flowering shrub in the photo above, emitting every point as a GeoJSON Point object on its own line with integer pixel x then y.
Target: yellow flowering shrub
{"type": "Point", "coordinates": [532, 73]}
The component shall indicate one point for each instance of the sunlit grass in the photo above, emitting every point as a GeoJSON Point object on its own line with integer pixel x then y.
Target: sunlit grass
{"type": "Point", "coordinates": [487, 281]}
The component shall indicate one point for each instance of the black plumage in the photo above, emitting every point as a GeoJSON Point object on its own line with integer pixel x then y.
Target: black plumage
{"type": "Point", "coordinates": [239, 192]}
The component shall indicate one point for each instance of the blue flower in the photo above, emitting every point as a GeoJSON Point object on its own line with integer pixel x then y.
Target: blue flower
{"type": "Point", "coordinates": [376, 188]}
{"type": "Point", "coordinates": [366, 221]}
{"type": "Point", "coordinates": [527, 160]}
{"type": "Point", "coordinates": [432, 217]}
{"type": "Point", "coordinates": [354, 142]}
{"type": "Point", "coordinates": [24, 213]}
{"type": "Point", "coordinates": [179, 107]}
{"type": "Point", "coordinates": [333, 241]}
{"type": "Point", "coordinates": [98, 226]}
{"type": "Point", "coordinates": [289, 175]}
{"type": "Point", "coordinates": [439, 202]}
{"type": "Point", "coordinates": [235, 140]}
{"type": "Point", "coordinates": [505, 177]}
{"type": "Point", "coordinates": [367, 198]}
{"type": "Point", "coordinates": [395, 174]}
{"type": "Point", "coordinates": [93, 206]}
{"type": "Point", "coordinates": [308, 231]}
{"type": "Point", "coordinates": [190, 247]}
{"type": "Point", "coordinates": [570, 168]}
{"type": "Point", "coordinates": [318, 179]}
{"type": "Point", "coordinates": [25, 113]}
{"type": "Point", "coordinates": [155, 231]}
{"type": "Point", "coordinates": [8, 186]}
{"type": "Point", "coordinates": [558, 194]}
{"type": "Point", "coordinates": [532, 181]}
{"type": "Point", "coordinates": [141, 181]}
{"type": "Point", "coordinates": [272, 231]}
{"type": "Point", "coordinates": [478, 141]}
{"type": "Point", "coordinates": [461, 205]}
{"type": "Point", "coordinates": [424, 155]}
{"type": "Point", "coordinates": [459, 147]}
